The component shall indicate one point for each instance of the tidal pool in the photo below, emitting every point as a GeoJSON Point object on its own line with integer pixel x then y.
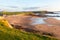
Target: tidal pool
{"type": "Point", "coordinates": [41, 20]}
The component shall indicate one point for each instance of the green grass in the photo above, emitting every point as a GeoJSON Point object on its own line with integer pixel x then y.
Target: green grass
{"type": "Point", "coordinates": [7, 33]}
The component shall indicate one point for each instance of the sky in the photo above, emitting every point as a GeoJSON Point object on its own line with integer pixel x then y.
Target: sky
{"type": "Point", "coordinates": [22, 5]}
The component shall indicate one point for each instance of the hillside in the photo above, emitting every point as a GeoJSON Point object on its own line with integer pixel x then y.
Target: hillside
{"type": "Point", "coordinates": [7, 33]}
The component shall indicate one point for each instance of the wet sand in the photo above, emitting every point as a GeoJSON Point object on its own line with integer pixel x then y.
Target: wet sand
{"type": "Point", "coordinates": [51, 28]}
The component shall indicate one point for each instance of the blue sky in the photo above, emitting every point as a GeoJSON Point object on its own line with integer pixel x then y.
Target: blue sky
{"type": "Point", "coordinates": [18, 5]}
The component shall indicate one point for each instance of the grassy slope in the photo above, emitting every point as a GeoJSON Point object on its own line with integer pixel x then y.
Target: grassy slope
{"type": "Point", "coordinates": [7, 33]}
